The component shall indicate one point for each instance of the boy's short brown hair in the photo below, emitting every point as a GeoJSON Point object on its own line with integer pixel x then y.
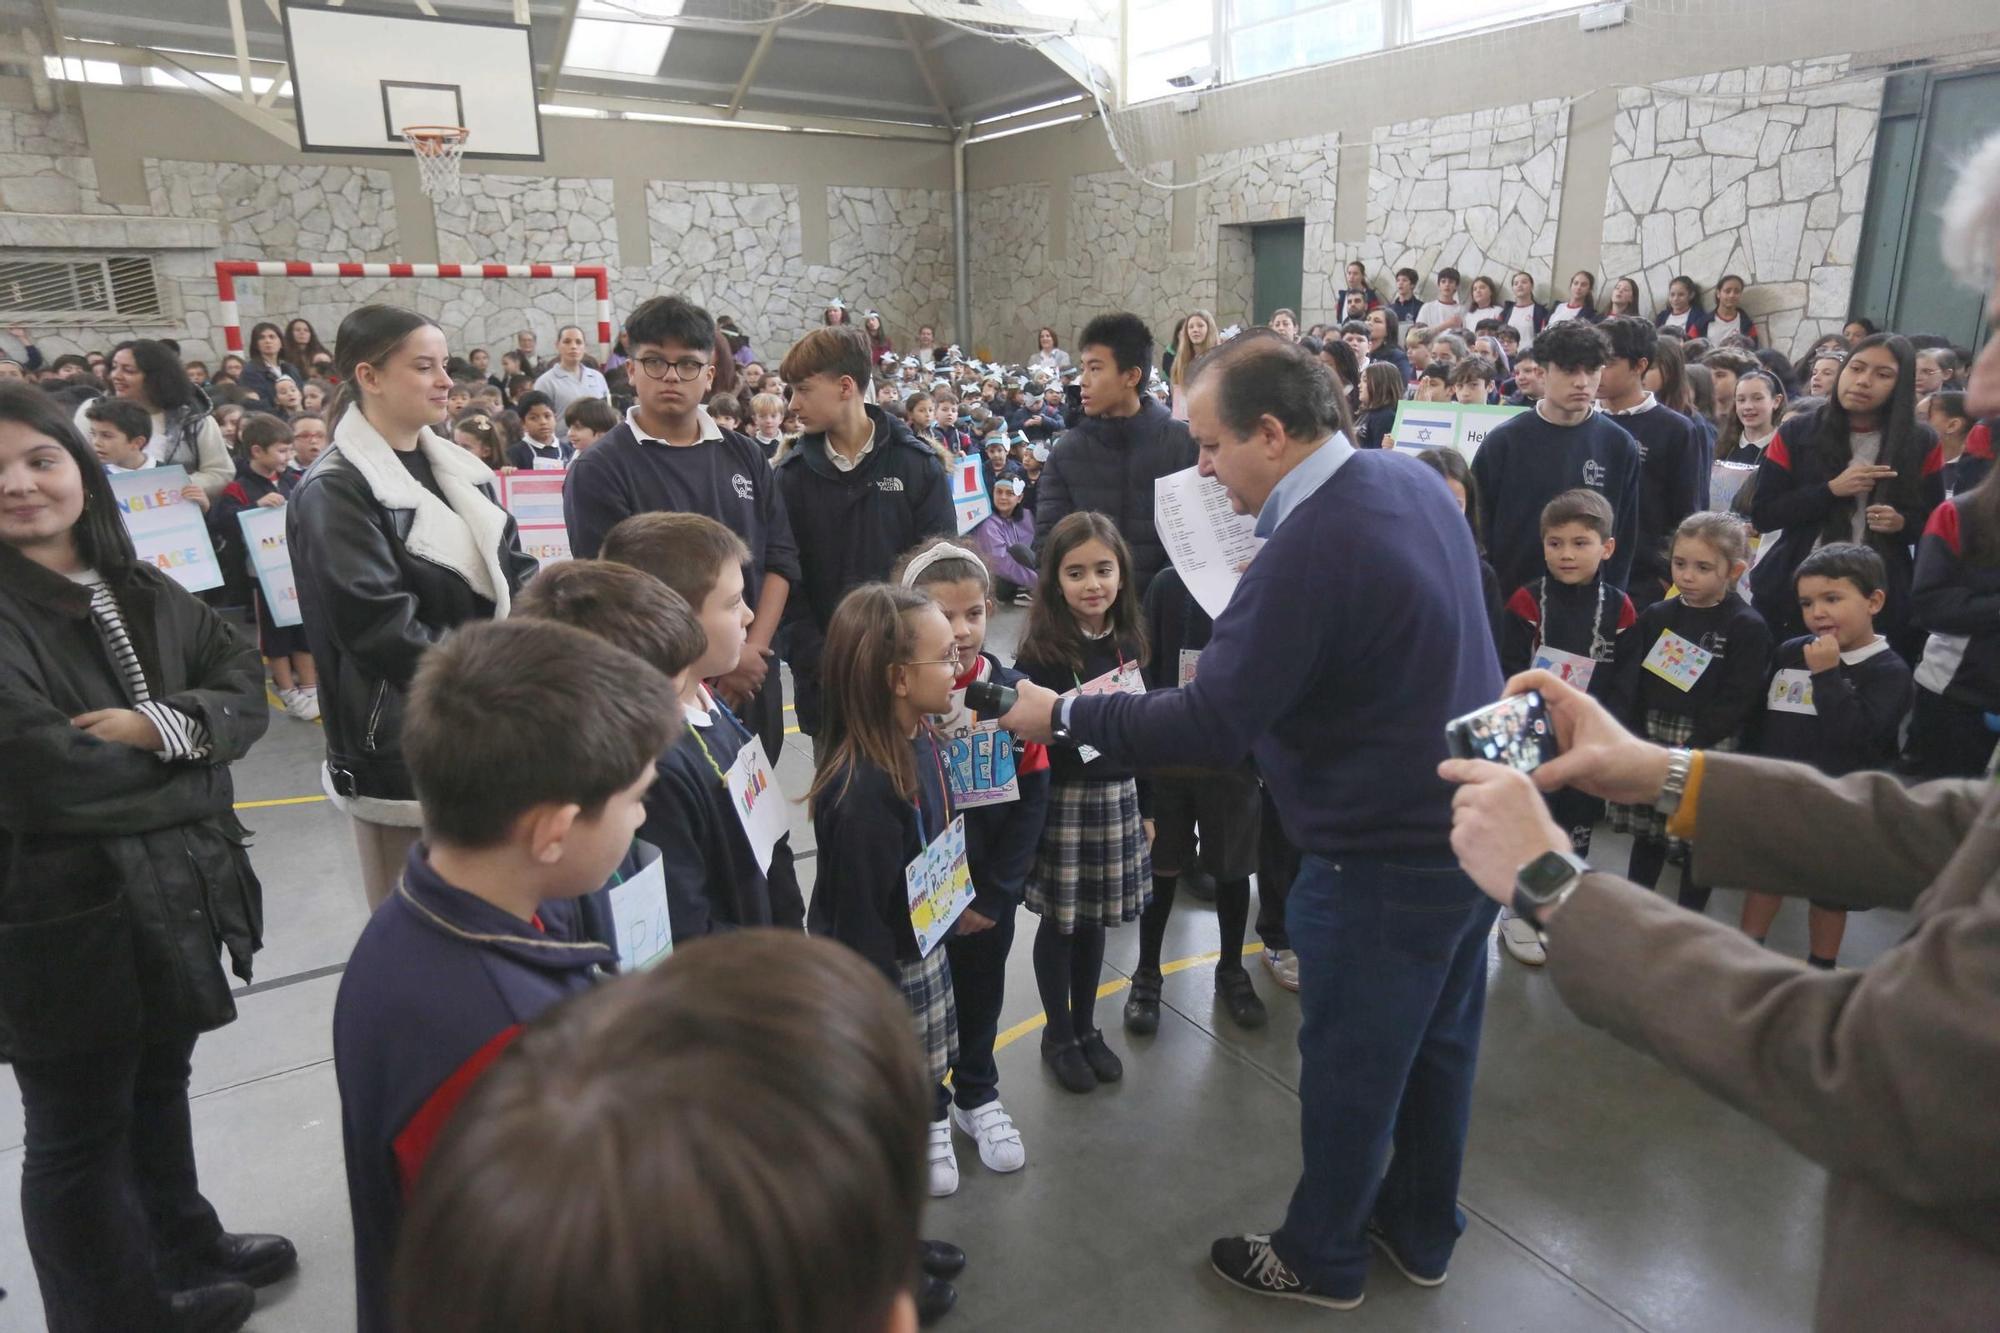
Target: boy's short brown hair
{"type": "Point", "coordinates": [261, 430]}
{"type": "Point", "coordinates": [836, 351]}
{"type": "Point", "coordinates": [1581, 505]}
{"type": "Point", "coordinates": [772, 1107]}
{"type": "Point", "coordinates": [592, 414]}
{"type": "Point", "coordinates": [1472, 370]}
{"type": "Point", "coordinates": [683, 551]}
{"type": "Point", "coordinates": [507, 715]}
{"type": "Point", "coordinates": [620, 605]}
{"type": "Point", "coordinates": [725, 404]}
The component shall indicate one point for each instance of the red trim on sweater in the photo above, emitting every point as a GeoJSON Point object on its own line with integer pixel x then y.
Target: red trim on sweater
{"type": "Point", "coordinates": [1524, 605]}
{"type": "Point", "coordinates": [1778, 453]}
{"type": "Point", "coordinates": [1934, 461]}
{"type": "Point", "coordinates": [413, 1144]}
{"type": "Point", "coordinates": [1944, 527]}
{"type": "Point", "coordinates": [1979, 444]}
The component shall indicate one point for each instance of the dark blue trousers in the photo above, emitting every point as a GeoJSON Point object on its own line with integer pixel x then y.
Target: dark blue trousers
{"type": "Point", "coordinates": [1392, 989]}
{"type": "Point", "coordinates": [979, 984]}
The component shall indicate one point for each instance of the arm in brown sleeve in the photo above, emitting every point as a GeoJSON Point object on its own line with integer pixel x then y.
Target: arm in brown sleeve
{"type": "Point", "coordinates": [1889, 1073]}
{"type": "Point", "coordinates": [1865, 840]}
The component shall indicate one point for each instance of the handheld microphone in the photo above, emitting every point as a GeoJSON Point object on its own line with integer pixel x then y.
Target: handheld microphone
{"type": "Point", "coordinates": [989, 699]}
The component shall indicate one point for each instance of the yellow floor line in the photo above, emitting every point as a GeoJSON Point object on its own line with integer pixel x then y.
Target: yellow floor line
{"type": "Point", "coordinates": [1112, 987]}
{"type": "Point", "coordinates": [281, 800]}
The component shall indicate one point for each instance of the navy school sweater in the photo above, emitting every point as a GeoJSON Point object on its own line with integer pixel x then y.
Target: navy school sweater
{"type": "Point", "coordinates": [1730, 691]}
{"type": "Point", "coordinates": [713, 880]}
{"type": "Point", "coordinates": [1527, 461]}
{"type": "Point", "coordinates": [1000, 839]}
{"type": "Point", "coordinates": [1585, 619]}
{"type": "Point", "coordinates": [1853, 712]}
{"type": "Point", "coordinates": [724, 479]}
{"type": "Point", "coordinates": [1099, 656]}
{"type": "Point", "coordinates": [867, 836]}
{"type": "Point", "coordinates": [1958, 603]}
{"type": "Point", "coordinates": [1340, 686]}
{"type": "Point", "coordinates": [1672, 479]}
{"type": "Point", "coordinates": [522, 453]}
{"type": "Point", "coordinates": [437, 986]}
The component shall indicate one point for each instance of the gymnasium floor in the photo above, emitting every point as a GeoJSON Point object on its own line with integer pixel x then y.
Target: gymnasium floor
{"type": "Point", "coordinates": [1602, 1192]}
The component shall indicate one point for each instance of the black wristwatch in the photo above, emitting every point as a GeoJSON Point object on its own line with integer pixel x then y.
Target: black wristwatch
{"type": "Point", "coordinates": [1058, 730]}
{"type": "Point", "coordinates": [1544, 882]}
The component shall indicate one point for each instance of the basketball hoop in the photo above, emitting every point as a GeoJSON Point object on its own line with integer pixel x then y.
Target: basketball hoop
{"type": "Point", "coordinates": [439, 150]}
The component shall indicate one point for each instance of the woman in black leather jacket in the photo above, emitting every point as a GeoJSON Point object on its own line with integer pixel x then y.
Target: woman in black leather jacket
{"type": "Point", "coordinates": [395, 538]}
{"type": "Point", "coordinates": [123, 700]}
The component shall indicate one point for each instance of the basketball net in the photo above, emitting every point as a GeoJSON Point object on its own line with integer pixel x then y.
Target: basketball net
{"type": "Point", "coordinates": [439, 150]}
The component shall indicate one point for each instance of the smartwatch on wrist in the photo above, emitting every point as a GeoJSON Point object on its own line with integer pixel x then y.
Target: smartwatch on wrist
{"type": "Point", "coordinates": [1543, 883]}
{"type": "Point", "coordinates": [1679, 764]}
{"type": "Point", "coordinates": [1058, 729]}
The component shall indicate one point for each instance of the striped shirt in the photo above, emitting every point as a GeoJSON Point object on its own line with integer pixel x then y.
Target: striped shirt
{"type": "Point", "coordinates": [184, 737]}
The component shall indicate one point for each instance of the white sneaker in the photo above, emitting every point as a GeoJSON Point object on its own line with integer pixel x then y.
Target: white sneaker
{"type": "Point", "coordinates": [309, 698]}
{"type": "Point", "coordinates": [294, 704]}
{"type": "Point", "coordinates": [1284, 965]}
{"type": "Point", "coordinates": [1523, 941]}
{"type": "Point", "coordinates": [944, 1162]}
{"type": "Point", "coordinates": [993, 1130]}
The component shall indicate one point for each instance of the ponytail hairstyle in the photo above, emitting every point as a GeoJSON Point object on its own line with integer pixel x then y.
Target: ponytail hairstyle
{"type": "Point", "coordinates": [1732, 429]}
{"type": "Point", "coordinates": [1726, 534]}
{"type": "Point", "coordinates": [1053, 635]}
{"type": "Point", "coordinates": [870, 638]}
{"type": "Point", "coordinates": [368, 336]}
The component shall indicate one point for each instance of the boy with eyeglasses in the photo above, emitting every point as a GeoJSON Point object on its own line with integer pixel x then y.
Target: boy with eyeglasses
{"type": "Point", "coordinates": [669, 455]}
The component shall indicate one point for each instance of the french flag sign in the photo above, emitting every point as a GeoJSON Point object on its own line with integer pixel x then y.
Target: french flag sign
{"type": "Point", "coordinates": [968, 494]}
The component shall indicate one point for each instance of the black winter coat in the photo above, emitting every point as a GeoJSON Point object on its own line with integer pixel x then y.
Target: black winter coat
{"type": "Point", "coordinates": [123, 876]}
{"type": "Point", "coordinates": [371, 608]}
{"type": "Point", "coordinates": [1109, 464]}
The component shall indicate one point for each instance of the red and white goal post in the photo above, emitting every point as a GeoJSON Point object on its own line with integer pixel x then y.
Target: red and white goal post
{"type": "Point", "coordinates": [227, 271]}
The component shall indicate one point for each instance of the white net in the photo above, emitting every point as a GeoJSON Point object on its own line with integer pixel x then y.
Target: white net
{"type": "Point", "coordinates": [440, 151]}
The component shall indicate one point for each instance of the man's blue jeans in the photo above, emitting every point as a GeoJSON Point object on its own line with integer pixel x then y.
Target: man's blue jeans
{"type": "Point", "coordinates": [1392, 989]}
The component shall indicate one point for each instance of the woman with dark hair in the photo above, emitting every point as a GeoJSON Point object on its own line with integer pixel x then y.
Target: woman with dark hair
{"type": "Point", "coordinates": [147, 373]}
{"type": "Point", "coordinates": [1385, 341]}
{"type": "Point", "coordinates": [395, 539]}
{"type": "Point", "coordinates": [1527, 315]}
{"type": "Point", "coordinates": [123, 700]}
{"type": "Point", "coordinates": [1683, 309]}
{"type": "Point", "coordinates": [302, 345]}
{"type": "Point", "coordinates": [1861, 469]}
{"type": "Point", "coordinates": [878, 337]}
{"type": "Point", "coordinates": [265, 366]}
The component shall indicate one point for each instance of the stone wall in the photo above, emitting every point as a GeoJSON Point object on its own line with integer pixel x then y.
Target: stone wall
{"type": "Point", "coordinates": [528, 219]}
{"type": "Point", "coordinates": [1282, 182]}
{"type": "Point", "coordinates": [1014, 287]}
{"type": "Point", "coordinates": [735, 249]}
{"type": "Point", "coordinates": [46, 167]}
{"type": "Point", "coordinates": [1479, 192]}
{"type": "Point", "coordinates": [888, 250]}
{"type": "Point", "coordinates": [1761, 172]}
{"type": "Point", "coordinates": [1120, 258]}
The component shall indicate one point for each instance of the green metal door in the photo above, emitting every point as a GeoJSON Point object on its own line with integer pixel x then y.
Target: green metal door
{"type": "Point", "coordinates": [1930, 124]}
{"type": "Point", "coordinates": [1278, 267]}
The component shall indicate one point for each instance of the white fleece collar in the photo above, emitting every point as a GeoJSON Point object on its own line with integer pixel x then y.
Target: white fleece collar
{"type": "Point", "coordinates": [464, 535]}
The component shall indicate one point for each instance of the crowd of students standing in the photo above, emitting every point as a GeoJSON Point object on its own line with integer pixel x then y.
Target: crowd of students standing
{"type": "Point", "coordinates": [1839, 610]}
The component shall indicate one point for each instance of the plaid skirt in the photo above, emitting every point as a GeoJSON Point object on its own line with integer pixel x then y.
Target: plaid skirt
{"type": "Point", "coordinates": [1093, 867]}
{"type": "Point", "coordinates": [927, 990]}
{"type": "Point", "coordinates": [1644, 822]}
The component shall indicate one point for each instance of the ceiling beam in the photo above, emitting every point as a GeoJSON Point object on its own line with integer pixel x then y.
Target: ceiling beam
{"type": "Point", "coordinates": [973, 111]}
{"type": "Point", "coordinates": [990, 13]}
{"type": "Point", "coordinates": [923, 64]}
{"type": "Point", "coordinates": [270, 122]}
{"type": "Point", "coordinates": [762, 120]}
{"type": "Point", "coordinates": [717, 94]}
{"type": "Point", "coordinates": [564, 26]}
{"type": "Point", "coordinates": [750, 70]}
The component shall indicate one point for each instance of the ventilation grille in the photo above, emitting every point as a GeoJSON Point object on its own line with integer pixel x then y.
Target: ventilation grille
{"type": "Point", "coordinates": [118, 285]}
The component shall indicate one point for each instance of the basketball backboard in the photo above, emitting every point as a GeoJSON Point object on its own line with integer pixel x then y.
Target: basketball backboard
{"type": "Point", "coordinates": [360, 75]}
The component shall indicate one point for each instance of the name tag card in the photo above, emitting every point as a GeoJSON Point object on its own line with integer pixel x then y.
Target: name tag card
{"type": "Point", "coordinates": [979, 762]}
{"type": "Point", "coordinates": [639, 918]}
{"type": "Point", "coordinates": [1677, 661]}
{"type": "Point", "coordinates": [1791, 692]}
{"type": "Point", "coordinates": [1119, 680]}
{"type": "Point", "coordinates": [1570, 668]}
{"type": "Point", "coordinates": [757, 801]}
{"type": "Point", "coordinates": [940, 884]}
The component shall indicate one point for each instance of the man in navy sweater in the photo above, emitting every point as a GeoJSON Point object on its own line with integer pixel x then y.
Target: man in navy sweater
{"type": "Point", "coordinates": [1340, 685]}
{"type": "Point", "coordinates": [669, 455]}
{"type": "Point", "coordinates": [1673, 468]}
{"type": "Point", "coordinates": [1530, 459]}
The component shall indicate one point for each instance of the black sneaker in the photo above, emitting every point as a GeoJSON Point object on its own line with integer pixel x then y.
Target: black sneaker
{"type": "Point", "coordinates": [1238, 995]}
{"type": "Point", "coordinates": [1249, 1263]}
{"type": "Point", "coordinates": [1108, 1067]}
{"type": "Point", "coordinates": [1142, 1008]}
{"type": "Point", "coordinates": [1071, 1069]}
{"type": "Point", "coordinates": [1380, 1239]}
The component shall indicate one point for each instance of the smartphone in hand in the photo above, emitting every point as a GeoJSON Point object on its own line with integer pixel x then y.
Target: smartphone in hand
{"type": "Point", "coordinates": [1516, 732]}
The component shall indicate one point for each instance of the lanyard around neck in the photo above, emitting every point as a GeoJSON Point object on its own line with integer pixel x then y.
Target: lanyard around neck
{"type": "Point", "coordinates": [1599, 650]}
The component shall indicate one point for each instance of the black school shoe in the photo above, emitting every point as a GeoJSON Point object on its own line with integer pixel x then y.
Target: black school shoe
{"type": "Point", "coordinates": [1071, 1069]}
{"type": "Point", "coordinates": [1142, 1007]}
{"type": "Point", "coordinates": [222, 1307]}
{"type": "Point", "coordinates": [252, 1259]}
{"type": "Point", "coordinates": [940, 1258]}
{"type": "Point", "coordinates": [935, 1297]}
{"type": "Point", "coordinates": [1250, 1264]}
{"type": "Point", "coordinates": [1107, 1067]}
{"type": "Point", "coordinates": [1238, 995]}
